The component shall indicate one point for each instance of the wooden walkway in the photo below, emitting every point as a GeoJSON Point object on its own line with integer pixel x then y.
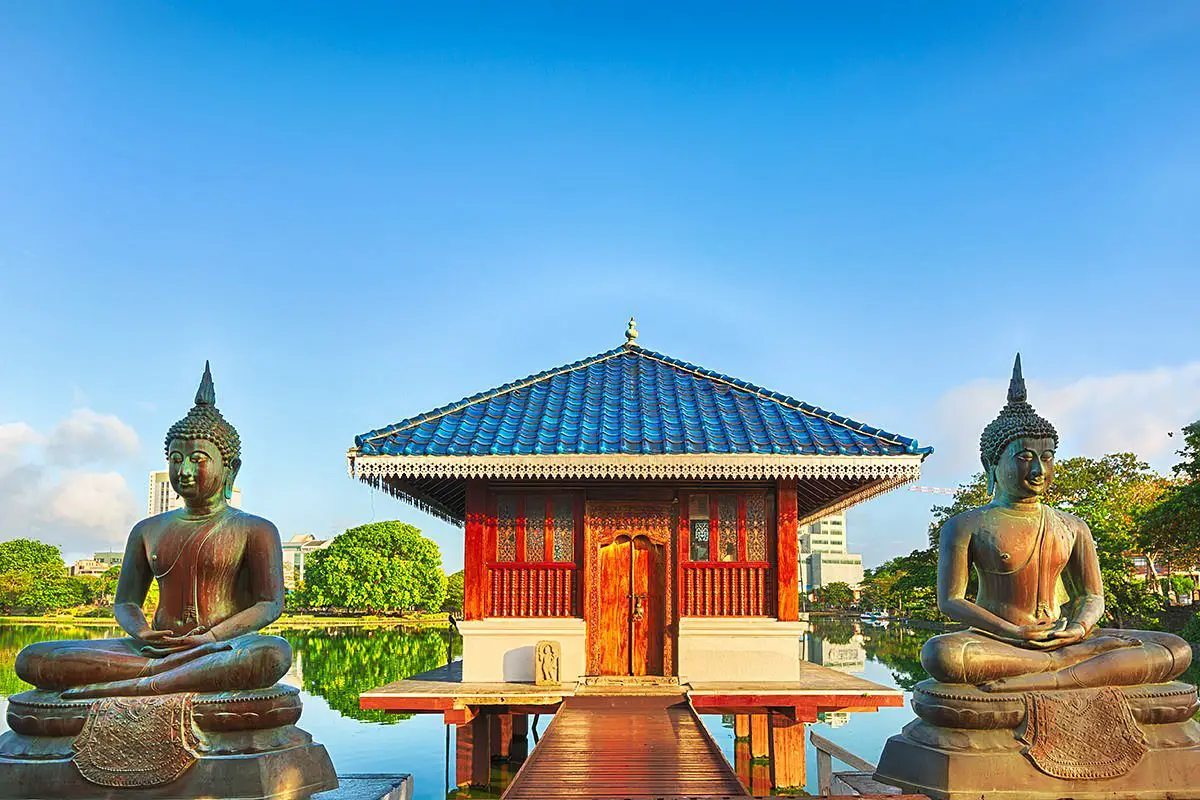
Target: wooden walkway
{"type": "Point", "coordinates": [602, 746]}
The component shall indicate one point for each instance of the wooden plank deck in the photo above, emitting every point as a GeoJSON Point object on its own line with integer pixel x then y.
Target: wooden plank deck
{"type": "Point", "coordinates": [817, 689]}
{"type": "Point", "coordinates": [443, 689]}
{"type": "Point", "coordinates": [625, 746]}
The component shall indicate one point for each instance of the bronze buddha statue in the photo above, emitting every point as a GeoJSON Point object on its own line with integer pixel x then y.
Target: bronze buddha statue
{"type": "Point", "coordinates": [190, 701]}
{"type": "Point", "coordinates": [1033, 622]}
{"type": "Point", "coordinates": [1033, 700]}
{"type": "Point", "coordinates": [220, 578]}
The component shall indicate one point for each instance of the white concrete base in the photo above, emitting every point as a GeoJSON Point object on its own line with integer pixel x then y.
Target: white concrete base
{"type": "Point", "coordinates": [501, 649]}
{"type": "Point", "coordinates": [739, 649]}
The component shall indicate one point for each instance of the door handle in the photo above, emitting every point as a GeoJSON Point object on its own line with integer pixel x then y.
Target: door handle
{"type": "Point", "coordinates": [638, 611]}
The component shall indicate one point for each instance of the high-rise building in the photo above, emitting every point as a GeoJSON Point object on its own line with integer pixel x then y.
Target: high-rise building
{"type": "Point", "coordinates": [164, 499]}
{"type": "Point", "coordinates": [823, 556]}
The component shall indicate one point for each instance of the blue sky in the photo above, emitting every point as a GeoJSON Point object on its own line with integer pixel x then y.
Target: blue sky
{"type": "Point", "coordinates": [360, 213]}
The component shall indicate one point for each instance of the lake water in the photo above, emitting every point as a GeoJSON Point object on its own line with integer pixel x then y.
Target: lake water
{"type": "Point", "coordinates": [333, 665]}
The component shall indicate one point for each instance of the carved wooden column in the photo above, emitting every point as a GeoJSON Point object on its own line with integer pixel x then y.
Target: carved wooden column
{"type": "Point", "coordinates": [787, 567]}
{"type": "Point", "coordinates": [475, 578]}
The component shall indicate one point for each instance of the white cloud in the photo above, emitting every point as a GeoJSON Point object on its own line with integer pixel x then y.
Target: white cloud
{"type": "Point", "coordinates": [46, 495]}
{"type": "Point", "coordinates": [1094, 415]}
{"type": "Point", "coordinates": [95, 501]}
{"type": "Point", "coordinates": [14, 438]}
{"type": "Point", "coordinates": [87, 437]}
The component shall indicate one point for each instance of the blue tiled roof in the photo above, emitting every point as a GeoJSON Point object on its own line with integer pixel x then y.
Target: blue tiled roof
{"type": "Point", "coordinates": [631, 401]}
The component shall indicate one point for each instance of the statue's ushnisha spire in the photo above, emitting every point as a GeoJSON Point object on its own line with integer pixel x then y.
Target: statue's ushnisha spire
{"type": "Point", "coordinates": [204, 421]}
{"type": "Point", "coordinates": [1016, 386]}
{"type": "Point", "coordinates": [1016, 420]}
{"type": "Point", "coordinates": [206, 395]}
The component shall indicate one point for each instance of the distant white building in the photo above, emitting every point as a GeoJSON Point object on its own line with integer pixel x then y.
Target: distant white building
{"type": "Point", "coordinates": [164, 499]}
{"type": "Point", "coordinates": [823, 556]}
{"type": "Point", "coordinates": [294, 552]}
{"type": "Point", "coordinates": [89, 567]}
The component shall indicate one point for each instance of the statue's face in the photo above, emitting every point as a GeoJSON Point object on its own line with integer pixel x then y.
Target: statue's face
{"type": "Point", "coordinates": [196, 469]}
{"type": "Point", "coordinates": [1026, 468]}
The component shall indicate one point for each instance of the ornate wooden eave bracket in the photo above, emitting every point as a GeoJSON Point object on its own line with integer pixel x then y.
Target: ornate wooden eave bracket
{"type": "Point", "coordinates": [906, 467]}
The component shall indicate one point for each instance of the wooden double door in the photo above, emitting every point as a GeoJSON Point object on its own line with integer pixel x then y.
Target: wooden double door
{"type": "Point", "coordinates": [632, 607]}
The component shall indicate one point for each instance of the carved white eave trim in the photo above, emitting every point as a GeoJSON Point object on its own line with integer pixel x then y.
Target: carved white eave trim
{"type": "Point", "coordinates": [901, 468]}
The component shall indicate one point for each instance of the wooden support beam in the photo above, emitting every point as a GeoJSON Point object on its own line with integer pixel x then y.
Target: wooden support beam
{"type": "Point", "coordinates": [760, 778]}
{"type": "Point", "coordinates": [760, 736]}
{"type": "Point", "coordinates": [501, 736]}
{"type": "Point", "coordinates": [458, 716]}
{"type": "Point", "coordinates": [787, 753]}
{"type": "Point", "coordinates": [520, 738]}
{"type": "Point", "coordinates": [472, 753]}
{"type": "Point", "coordinates": [475, 578]}
{"type": "Point", "coordinates": [741, 726]}
{"type": "Point", "coordinates": [741, 759]}
{"type": "Point", "coordinates": [787, 565]}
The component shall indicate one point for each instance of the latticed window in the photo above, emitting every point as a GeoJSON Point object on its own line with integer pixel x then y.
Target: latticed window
{"type": "Point", "coordinates": [729, 526]}
{"type": "Point", "coordinates": [699, 524]}
{"type": "Point", "coordinates": [564, 520]}
{"type": "Point", "coordinates": [506, 529]}
{"type": "Point", "coordinates": [756, 527]}
{"type": "Point", "coordinates": [535, 528]}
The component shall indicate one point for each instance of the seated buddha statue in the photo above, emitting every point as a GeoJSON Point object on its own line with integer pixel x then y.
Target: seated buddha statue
{"type": "Point", "coordinates": [1040, 596]}
{"type": "Point", "coordinates": [220, 579]}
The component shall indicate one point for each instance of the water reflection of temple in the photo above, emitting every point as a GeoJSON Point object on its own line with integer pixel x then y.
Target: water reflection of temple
{"type": "Point", "coordinates": [850, 656]}
{"type": "Point", "coordinates": [641, 513]}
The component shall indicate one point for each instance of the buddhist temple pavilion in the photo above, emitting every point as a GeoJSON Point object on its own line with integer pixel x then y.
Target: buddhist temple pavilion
{"type": "Point", "coordinates": [638, 510]}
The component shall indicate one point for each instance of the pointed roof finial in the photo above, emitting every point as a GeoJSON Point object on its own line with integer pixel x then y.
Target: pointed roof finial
{"type": "Point", "coordinates": [206, 395]}
{"type": "Point", "coordinates": [631, 333]}
{"type": "Point", "coordinates": [1016, 386]}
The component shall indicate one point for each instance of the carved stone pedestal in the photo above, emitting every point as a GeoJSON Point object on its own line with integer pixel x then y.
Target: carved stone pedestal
{"type": "Point", "coordinates": [1088, 744]}
{"type": "Point", "coordinates": [226, 745]}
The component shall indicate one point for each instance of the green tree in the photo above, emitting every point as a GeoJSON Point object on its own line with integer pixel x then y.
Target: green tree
{"type": "Point", "coordinates": [33, 577]}
{"type": "Point", "coordinates": [106, 585]}
{"type": "Point", "coordinates": [1171, 528]}
{"type": "Point", "coordinates": [377, 568]}
{"type": "Point", "coordinates": [1111, 494]}
{"type": "Point", "coordinates": [834, 595]}
{"type": "Point", "coordinates": [31, 557]}
{"type": "Point", "coordinates": [454, 594]}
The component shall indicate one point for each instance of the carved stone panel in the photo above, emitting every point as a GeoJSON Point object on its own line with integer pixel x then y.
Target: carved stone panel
{"type": "Point", "coordinates": [546, 660]}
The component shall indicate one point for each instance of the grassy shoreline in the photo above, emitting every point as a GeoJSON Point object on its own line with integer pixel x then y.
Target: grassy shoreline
{"type": "Point", "coordinates": [286, 621]}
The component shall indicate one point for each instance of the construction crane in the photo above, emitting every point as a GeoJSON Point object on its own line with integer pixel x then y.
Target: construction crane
{"type": "Point", "coordinates": [933, 490]}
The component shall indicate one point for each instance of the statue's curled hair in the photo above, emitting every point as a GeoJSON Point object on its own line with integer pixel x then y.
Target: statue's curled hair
{"type": "Point", "coordinates": [204, 421]}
